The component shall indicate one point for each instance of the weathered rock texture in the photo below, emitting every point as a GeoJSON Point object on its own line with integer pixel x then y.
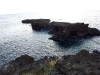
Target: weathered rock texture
{"type": "Point", "coordinates": [18, 65]}
{"type": "Point", "coordinates": [23, 64]}
{"type": "Point", "coordinates": [83, 63]}
{"type": "Point", "coordinates": [63, 30]}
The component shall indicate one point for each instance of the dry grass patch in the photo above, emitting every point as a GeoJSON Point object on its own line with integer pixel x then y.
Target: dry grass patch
{"type": "Point", "coordinates": [45, 71]}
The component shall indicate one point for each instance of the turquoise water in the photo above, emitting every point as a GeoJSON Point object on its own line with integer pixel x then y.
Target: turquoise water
{"type": "Point", "coordinates": [17, 39]}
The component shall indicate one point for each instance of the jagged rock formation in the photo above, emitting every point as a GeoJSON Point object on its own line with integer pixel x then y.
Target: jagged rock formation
{"type": "Point", "coordinates": [83, 63]}
{"type": "Point", "coordinates": [63, 30]}
{"type": "Point", "coordinates": [18, 65]}
{"type": "Point", "coordinates": [22, 64]}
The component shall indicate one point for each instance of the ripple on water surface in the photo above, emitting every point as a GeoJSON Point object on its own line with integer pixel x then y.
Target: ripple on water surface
{"type": "Point", "coordinates": [17, 39]}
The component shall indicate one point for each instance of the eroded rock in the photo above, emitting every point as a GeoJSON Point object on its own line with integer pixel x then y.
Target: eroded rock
{"type": "Point", "coordinates": [62, 31]}
{"type": "Point", "coordinates": [18, 65]}
{"type": "Point", "coordinates": [83, 63]}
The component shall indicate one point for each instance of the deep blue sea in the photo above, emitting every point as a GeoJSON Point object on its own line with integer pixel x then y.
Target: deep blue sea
{"type": "Point", "coordinates": [17, 39]}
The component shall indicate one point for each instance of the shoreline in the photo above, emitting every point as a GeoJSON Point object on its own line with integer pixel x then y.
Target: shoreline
{"type": "Point", "coordinates": [83, 63]}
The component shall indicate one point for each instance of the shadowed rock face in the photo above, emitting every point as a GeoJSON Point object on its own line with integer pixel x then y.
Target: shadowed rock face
{"type": "Point", "coordinates": [39, 25]}
{"type": "Point", "coordinates": [83, 63]}
{"type": "Point", "coordinates": [18, 65]}
{"type": "Point", "coordinates": [63, 30]}
{"type": "Point", "coordinates": [22, 64]}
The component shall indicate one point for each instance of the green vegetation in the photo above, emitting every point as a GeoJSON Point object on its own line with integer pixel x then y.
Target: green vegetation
{"type": "Point", "coordinates": [45, 71]}
{"type": "Point", "coordinates": [50, 67]}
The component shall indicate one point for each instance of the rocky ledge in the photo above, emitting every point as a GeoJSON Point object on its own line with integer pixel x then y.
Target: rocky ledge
{"type": "Point", "coordinates": [83, 63]}
{"type": "Point", "coordinates": [63, 30]}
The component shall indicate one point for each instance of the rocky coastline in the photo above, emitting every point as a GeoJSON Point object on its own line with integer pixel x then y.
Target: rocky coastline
{"type": "Point", "coordinates": [83, 63]}
{"type": "Point", "coordinates": [62, 31]}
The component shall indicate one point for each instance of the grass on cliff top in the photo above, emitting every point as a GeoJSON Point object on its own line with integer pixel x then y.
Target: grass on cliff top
{"type": "Point", "coordinates": [46, 70]}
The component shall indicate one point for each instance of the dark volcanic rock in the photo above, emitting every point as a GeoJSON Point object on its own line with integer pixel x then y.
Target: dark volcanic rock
{"type": "Point", "coordinates": [83, 63]}
{"type": "Point", "coordinates": [23, 64]}
{"type": "Point", "coordinates": [93, 32]}
{"type": "Point", "coordinates": [25, 59]}
{"type": "Point", "coordinates": [39, 24]}
{"type": "Point", "coordinates": [63, 30]}
{"type": "Point", "coordinates": [1, 73]}
{"type": "Point", "coordinates": [18, 65]}
{"type": "Point", "coordinates": [36, 20]}
{"type": "Point", "coordinates": [27, 21]}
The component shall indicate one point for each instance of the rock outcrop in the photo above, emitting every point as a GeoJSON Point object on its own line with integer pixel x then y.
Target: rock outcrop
{"type": "Point", "coordinates": [35, 20]}
{"type": "Point", "coordinates": [27, 20]}
{"type": "Point", "coordinates": [83, 63]}
{"type": "Point", "coordinates": [23, 64]}
{"type": "Point", "coordinates": [63, 30]}
{"type": "Point", "coordinates": [18, 65]}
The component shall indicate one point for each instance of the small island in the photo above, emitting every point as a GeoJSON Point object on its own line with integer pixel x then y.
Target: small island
{"type": "Point", "coordinates": [62, 31]}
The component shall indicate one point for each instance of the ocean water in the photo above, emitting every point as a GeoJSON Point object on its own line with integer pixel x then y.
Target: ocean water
{"type": "Point", "coordinates": [17, 39]}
